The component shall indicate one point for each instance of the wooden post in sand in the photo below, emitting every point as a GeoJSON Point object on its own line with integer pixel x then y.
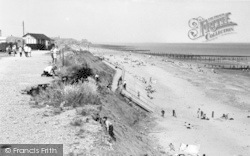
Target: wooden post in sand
{"type": "Point", "coordinates": [63, 57]}
{"type": "Point", "coordinates": [212, 114]}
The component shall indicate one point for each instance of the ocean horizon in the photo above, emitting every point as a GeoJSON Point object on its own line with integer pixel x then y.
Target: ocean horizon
{"type": "Point", "coordinates": [227, 49]}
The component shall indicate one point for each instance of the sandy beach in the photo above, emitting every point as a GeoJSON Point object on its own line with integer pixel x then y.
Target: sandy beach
{"type": "Point", "coordinates": [185, 87]}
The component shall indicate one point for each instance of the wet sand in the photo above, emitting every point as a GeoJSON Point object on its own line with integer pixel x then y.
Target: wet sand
{"type": "Point", "coordinates": [185, 87]}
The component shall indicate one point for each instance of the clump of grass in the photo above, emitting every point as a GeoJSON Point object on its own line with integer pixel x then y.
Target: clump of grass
{"type": "Point", "coordinates": [75, 95]}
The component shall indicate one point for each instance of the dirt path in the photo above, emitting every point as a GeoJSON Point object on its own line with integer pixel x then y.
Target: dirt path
{"type": "Point", "coordinates": [19, 122]}
{"type": "Point", "coordinates": [118, 74]}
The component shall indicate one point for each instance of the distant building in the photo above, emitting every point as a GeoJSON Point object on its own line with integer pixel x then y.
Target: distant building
{"type": "Point", "coordinates": [37, 41]}
{"type": "Point", "coordinates": [14, 40]}
{"type": "Point", "coordinates": [2, 39]}
{"type": "Point", "coordinates": [10, 41]}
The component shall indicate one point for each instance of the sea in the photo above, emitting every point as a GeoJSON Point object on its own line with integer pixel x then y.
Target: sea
{"type": "Point", "coordinates": [228, 49]}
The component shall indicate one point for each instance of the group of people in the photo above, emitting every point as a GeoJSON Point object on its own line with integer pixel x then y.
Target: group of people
{"type": "Point", "coordinates": [19, 49]}
{"type": "Point", "coordinates": [49, 71]}
{"type": "Point", "coordinates": [201, 115]}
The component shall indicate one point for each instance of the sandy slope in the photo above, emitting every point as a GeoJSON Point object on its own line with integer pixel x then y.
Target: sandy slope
{"type": "Point", "coordinates": [185, 88]}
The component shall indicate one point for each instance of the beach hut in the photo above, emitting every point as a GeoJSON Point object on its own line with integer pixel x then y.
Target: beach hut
{"type": "Point", "coordinates": [37, 41]}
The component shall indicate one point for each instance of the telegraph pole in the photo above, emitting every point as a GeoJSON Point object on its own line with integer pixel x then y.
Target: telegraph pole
{"type": "Point", "coordinates": [23, 28]}
{"type": "Point", "coordinates": [23, 35]}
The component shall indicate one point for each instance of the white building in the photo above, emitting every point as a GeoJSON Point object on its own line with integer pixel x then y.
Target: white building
{"type": "Point", "coordinates": [37, 41]}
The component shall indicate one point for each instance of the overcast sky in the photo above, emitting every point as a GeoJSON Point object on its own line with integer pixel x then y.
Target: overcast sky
{"type": "Point", "coordinates": [120, 20]}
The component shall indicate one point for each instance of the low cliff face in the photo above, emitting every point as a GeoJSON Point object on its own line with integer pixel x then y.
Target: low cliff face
{"type": "Point", "coordinates": [84, 100]}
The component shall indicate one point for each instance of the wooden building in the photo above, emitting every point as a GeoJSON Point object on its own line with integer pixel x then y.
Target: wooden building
{"type": "Point", "coordinates": [37, 41]}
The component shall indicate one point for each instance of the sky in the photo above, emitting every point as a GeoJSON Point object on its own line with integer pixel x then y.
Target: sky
{"type": "Point", "coordinates": [103, 21]}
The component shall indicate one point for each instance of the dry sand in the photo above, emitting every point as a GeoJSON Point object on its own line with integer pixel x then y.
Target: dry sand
{"type": "Point", "coordinates": [185, 87]}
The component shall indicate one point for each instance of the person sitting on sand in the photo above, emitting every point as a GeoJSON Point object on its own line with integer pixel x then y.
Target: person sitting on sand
{"type": "Point", "coordinates": [171, 146]}
{"type": "Point", "coordinates": [204, 117]}
{"type": "Point", "coordinates": [49, 71]}
{"type": "Point", "coordinates": [97, 77]}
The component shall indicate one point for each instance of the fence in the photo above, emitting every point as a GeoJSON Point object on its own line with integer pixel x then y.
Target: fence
{"type": "Point", "coordinates": [211, 61]}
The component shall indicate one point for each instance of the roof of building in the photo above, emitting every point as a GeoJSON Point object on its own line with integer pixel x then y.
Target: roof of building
{"type": "Point", "coordinates": [38, 36]}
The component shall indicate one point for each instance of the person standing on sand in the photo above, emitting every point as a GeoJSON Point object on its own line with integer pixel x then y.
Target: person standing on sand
{"type": "Point", "coordinates": [162, 113]}
{"type": "Point", "coordinates": [29, 51]}
{"type": "Point", "coordinates": [198, 113]}
{"type": "Point", "coordinates": [26, 49]}
{"type": "Point", "coordinates": [51, 52]}
{"type": "Point", "coordinates": [14, 49]}
{"type": "Point", "coordinates": [54, 51]}
{"type": "Point", "coordinates": [20, 50]}
{"type": "Point", "coordinates": [8, 50]}
{"type": "Point", "coordinates": [109, 127]}
{"type": "Point", "coordinates": [174, 114]}
{"type": "Point", "coordinates": [124, 84]}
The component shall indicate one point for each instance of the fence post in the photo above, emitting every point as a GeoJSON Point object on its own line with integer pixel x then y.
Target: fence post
{"type": "Point", "coordinates": [63, 56]}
